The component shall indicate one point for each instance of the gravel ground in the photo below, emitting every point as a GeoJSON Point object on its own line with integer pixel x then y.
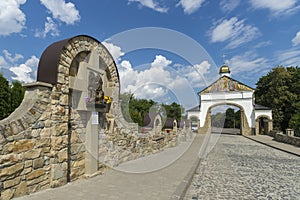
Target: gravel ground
{"type": "Point", "coordinates": [239, 168]}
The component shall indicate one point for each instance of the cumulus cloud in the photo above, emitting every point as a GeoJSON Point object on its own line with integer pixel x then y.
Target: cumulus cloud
{"type": "Point", "coordinates": [50, 27]}
{"type": "Point", "coordinates": [150, 4]}
{"type": "Point", "coordinates": [296, 39]}
{"type": "Point", "coordinates": [235, 31]}
{"type": "Point", "coordinates": [152, 82]}
{"type": "Point", "coordinates": [190, 6]}
{"type": "Point", "coordinates": [12, 19]}
{"type": "Point", "coordinates": [160, 62]}
{"type": "Point", "coordinates": [276, 7]}
{"type": "Point", "coordinates": [24, 72]}
{"type": "Point", "coordinates": [194, 74]}
{"type": "Point", "coordinates": [114, 50]}
{"type": "Point", "coordinates": [65, 12]}
{"type": "Point", "coordinates": [229, 5]}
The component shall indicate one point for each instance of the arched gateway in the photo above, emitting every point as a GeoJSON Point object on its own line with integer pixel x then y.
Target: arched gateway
{"type": "Point", "coordinates": [227, 91]}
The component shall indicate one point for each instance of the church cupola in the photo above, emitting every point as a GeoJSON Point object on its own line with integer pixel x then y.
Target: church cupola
{"type": "Point", "coordinates": [224, 71]}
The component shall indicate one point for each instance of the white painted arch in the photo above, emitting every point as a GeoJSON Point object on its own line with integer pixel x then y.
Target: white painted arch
{"type": "Point", "coordinates": [227, 91]}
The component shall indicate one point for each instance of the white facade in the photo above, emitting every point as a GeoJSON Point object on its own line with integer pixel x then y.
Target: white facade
{"type": "Point", "coordinates": [227, 91]}
{"type": "Point", "coordinates": [243, 100]}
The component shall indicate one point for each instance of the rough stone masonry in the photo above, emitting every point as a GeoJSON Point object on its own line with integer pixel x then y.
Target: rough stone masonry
{"type": "Point", "coordinates": [51, 139]}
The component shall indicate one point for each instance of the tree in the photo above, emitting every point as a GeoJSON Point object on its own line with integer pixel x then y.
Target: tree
{"type": "Point", "coordinates": [174, 110]}
{"type": "Point", "coordinates": [279, 90]}
{"type": "Point", "coordinates": [10, 97]}
{"type": "Point", "coordinates": [135, 110]}
{"type": "Point", "coordinates": [237, 117]}
{"type": "Point", "coordinates": [5, 106]}
{"type": "Point", "coordinates": [218, 120]}
{"type": "Point", "coordinates": [229, 118]}
{"type": "Point", "coordinates": [17, 95]}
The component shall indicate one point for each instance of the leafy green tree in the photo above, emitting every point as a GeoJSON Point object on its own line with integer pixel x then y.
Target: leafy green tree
{"type": "Point", "coordinates": [237, 117]}
{"type": "Point", "coordinates": [5, 106]}
{"type": "Point", "coordinates": [279, 90]}
{"type": "Point", "coordinates": [135, 110]}
{"type": "Point", "coordinates": [174, 110]}
{"type": "Point", "coordinates": [218, 120]}
{"type": "Point", "coordinates": [17, 95]}
{"type": "Point", "coordinates": [229, 118]}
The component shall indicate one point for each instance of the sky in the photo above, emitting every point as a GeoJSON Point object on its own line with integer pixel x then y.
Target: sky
{"type": "Point", "coordinates": [166, 50]}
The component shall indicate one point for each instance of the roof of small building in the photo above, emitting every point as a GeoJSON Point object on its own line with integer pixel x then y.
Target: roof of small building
{"type": "Point", "coordinates": [196, 108]}
{"type": "Point", "coordinates": [169, 123]}
{"type": "Point", "coordinates": [149, 119]}
{"type": "Point", "coordinates": [260, 107]}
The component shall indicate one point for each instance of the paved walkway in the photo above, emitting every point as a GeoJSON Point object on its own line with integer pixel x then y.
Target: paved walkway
{"type": "Point", "coordinates": [268, 140]}
{"type": "Point", "coordinates": [141, 184]}
{"type": "Point", "coordinates": [239, 168]}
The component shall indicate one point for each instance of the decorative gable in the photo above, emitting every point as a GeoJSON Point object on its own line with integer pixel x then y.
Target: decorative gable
{"type": "Point", "coordinates": [226, 84]}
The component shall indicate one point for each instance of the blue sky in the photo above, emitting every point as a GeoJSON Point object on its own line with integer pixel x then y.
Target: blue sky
{"type": "Point", "coordinates": [164, 49]}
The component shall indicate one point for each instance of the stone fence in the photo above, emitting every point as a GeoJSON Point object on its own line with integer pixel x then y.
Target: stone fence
{"type": "Point", "coordinates": [48, 141]}
{"type": "Point", "coordinates": [285, 138]}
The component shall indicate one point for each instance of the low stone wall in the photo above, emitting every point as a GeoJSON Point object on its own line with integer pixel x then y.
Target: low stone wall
{"type": "Point", "coordinates": [280, 137]}
{"type": "Point", "coordinates": [25, 146]}
{"type": "Point", "coordinates": [115, 149]}
{"type": "Point", "coordinates": [39, 150]}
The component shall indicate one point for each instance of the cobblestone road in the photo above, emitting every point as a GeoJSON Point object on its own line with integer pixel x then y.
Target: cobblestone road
{"type": "Point", "coordinates": [238, 168]}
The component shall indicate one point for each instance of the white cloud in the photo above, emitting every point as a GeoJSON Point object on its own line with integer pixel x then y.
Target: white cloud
{"type": "Point", "coordinates": [190, 6]}
{"type": "Point", "coordinates": [262, 44]}
{"type": "Point", "coordinates": [50, 27]}
{"type": "Point", "coordinates": [289, 57]}
{"type": "Point", "coordinates": [65, 12]}
{"type": "Point", "coordinates": [150, 83]}
{"type": "Point", "coordinates": [10, 58]}
{"type": "Point", "coordinates": [248, 62]}
{"type": "Point", "coordinates": [160, 62]}
{"type": "Point", "coordinates": [276, 6]}
{"type": "Point", "coordinates": [151, 4]}
{"type": "Point", "coordinates": [24, 71]}
{"type": "Point", "coordinates": [12, 19]}
{"type": "Point", "coordinates": [195, 74]}
{"type": "Point", "coordinates": [296, 39]}
{"type": "Point", "coordinates": [114, 50]}
{"type": "Point", "coordinates": [235, 31]}
{"type": "Point", "coordinates": [229, 5]}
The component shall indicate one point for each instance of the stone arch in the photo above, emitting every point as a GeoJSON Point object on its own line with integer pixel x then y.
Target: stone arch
{"type": "Point", "coordinates": [59, 66]}
{"type": "Point", "coordinates": [244, 129]}
{"type": "Point", "coordinates": [263, 124]}
{"type": "Point", "coordinates": [56, 60]}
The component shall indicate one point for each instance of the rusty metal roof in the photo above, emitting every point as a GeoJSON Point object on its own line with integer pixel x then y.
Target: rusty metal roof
{"type": "Point", "coordinates": [48, 64]}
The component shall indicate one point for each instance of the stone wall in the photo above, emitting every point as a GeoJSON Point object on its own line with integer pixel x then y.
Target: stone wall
{"type": "Point", "coordinates": [280, 137]}
{"type": "Point", "coordinates": [44, 143]}
{"type": "Point", "coordinates": [25, 146]}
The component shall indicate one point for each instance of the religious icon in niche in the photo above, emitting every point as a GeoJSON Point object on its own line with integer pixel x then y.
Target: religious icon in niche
{"type": "Point", "coordinates": [96, 97]}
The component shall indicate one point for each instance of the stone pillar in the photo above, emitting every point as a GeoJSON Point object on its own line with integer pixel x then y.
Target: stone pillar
{"type": "Point", "coordinates": [270, 125]}
{"type": "Point", "coordinates": [92, 143]}
{"type": "Point", "coordinates": [245, 129]}
{"type": "Point", "coordinates": [257, 127]}
{"type": "Point", "coordinates": [175, 126]}
{"type": "Point", "coordinates": [207, 124]}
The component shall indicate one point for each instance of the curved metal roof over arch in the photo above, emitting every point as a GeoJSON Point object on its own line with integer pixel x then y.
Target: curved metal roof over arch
{"type": "Point", "coordinates": [48, 64]}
